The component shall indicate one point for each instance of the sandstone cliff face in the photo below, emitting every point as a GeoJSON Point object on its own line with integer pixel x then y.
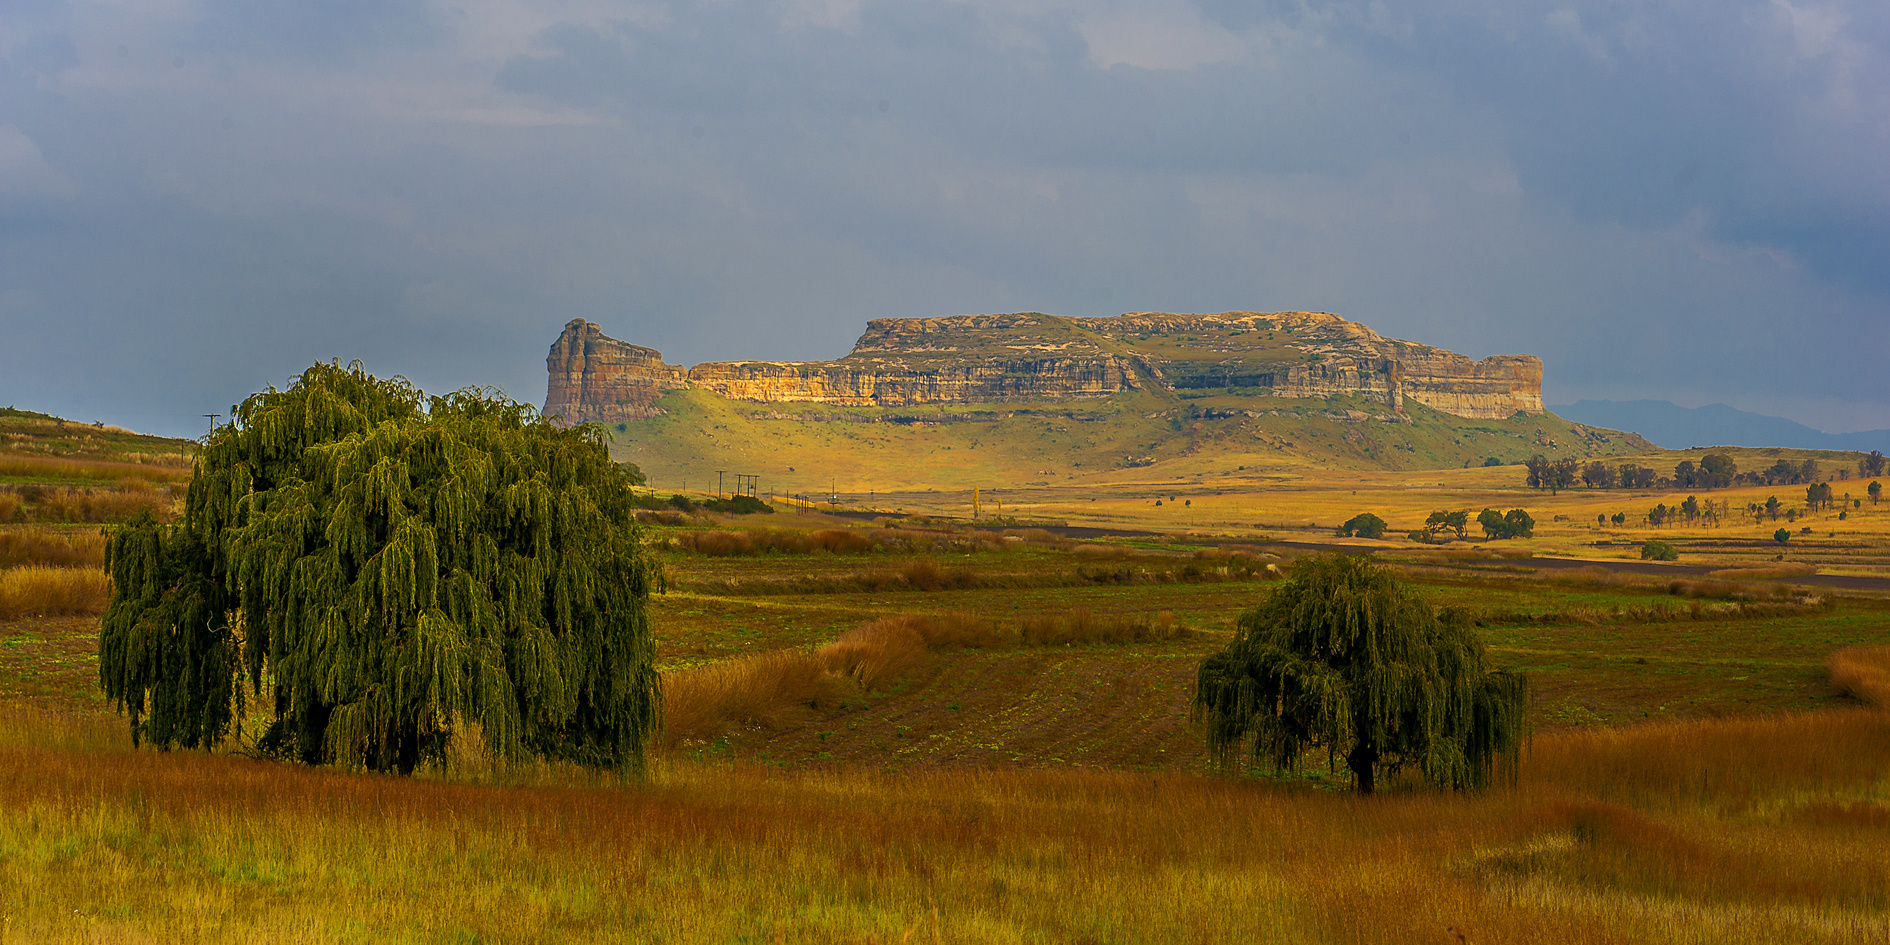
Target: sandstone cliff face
{"type": "Point", "coordinates": [597, 378]}
{"type": "Point", "coordinates": [905, 362]}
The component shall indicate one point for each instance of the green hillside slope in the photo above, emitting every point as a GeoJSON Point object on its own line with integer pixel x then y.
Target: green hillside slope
{"type": "Point", "coordinates": [1136, 436]}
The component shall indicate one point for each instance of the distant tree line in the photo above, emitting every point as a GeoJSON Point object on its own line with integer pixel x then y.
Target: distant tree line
{"type": "Point", "coordinates": [1714, 471]}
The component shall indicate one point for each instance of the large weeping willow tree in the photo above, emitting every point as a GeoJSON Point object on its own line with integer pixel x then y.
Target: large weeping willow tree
{"type": "Point", "coordinates": [388, 566]}
{"type": "Point", "coordinates": [1344, 657]}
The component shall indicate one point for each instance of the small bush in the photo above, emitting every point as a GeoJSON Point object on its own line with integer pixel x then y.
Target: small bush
{"type": "Point", "coordinates": [1782, 536]}
{"type": "Point", "coordinates": [1364, 525]}
{"type": "Point", "coordinates": [1657, 550]}
{"type": "Point", "coordinates": [739, 505]}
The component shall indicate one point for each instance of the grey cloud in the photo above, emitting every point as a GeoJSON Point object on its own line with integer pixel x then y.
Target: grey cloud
{"type": "Point", "coordinates": [1615, 192]}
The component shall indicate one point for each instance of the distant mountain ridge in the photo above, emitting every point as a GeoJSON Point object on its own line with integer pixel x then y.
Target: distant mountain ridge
{"type": "Point", "coordinates": [1677, 427]}
{"type": "Point", "coordinates": [1027, 357]}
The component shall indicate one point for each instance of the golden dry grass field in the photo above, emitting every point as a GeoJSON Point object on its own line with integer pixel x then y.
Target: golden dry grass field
{"type": "Point", "coordinates": [888, 728]}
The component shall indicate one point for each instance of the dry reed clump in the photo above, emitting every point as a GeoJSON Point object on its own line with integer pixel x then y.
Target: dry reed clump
{"type": "Point", "coordinates": [45, 592]}
{"type": "Point", "coordinates": [1789, 569]}
{"type": "Point", "coordinates": [874, 653]}
{"type": "Point", "coordinates": [1081, 626]}
{"type": "Point", "coordinates": [701, 703]}
{"type": "Point", "coordinates": [1863, 673]}
{"type": "Point", "coordinates": [926, 575]}
{"type": "Point", "coordinates": [85, 505]}
{"type": "Point", "coordinates": [51, 548]}
{"type": "Point", "coordinates": [704, 702]}
{"type": "Point", "coordinates": [1594, 575]}
{"type": "Point", "coordinates": [1698, 609]}
{"type": "Point", "coordinates": [51, 467]}
{"type": "Point", "coordinates": [1727, 590]}
{"type": "Point", "coordinates": [723, 543]}
{"type": "Point", "coordinates": [1697, 761]}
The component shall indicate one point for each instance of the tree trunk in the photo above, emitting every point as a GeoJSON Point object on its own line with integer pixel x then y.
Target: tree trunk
{"type": "Point", "coordinates": [1363, 760]}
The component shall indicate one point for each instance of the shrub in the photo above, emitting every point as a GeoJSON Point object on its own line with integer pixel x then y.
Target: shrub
{"type": "Point", "coordinates": [1782, 536]}
{"type": "Point", "coordinates": [1657, 550]}
{"type": "Point", "coordinates": [1515, 523]}
{"type": "Point", "coordinates": [1364, 525]}
{"type": "Point", "coordinates": [739, 505]}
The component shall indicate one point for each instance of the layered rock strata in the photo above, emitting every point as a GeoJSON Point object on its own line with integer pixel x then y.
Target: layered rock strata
{"type": "Point", "coordinates": [906, 362]}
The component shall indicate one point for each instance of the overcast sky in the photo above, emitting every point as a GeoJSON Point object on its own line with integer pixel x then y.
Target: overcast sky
{"type": "Point", "coordinates": [1684, 200]}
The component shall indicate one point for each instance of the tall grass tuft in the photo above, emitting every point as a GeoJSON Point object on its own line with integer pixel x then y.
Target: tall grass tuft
{"type": "Point", "coordinates": [86, 505]}
{"type": "Point", "coordinates": [47, 592]}
{"type": "Point", "coordinates": [1863, 672]}
{"type": "Point", "coordinates": [51, 548]}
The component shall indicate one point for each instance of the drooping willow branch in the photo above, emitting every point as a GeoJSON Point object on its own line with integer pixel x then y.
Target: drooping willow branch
{"type": "Point", "coordinates": [395, 564]}
{"type": "Point", "coordinates": [1345, 657]}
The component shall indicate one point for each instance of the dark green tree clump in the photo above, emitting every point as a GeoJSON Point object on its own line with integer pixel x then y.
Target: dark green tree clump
{"type": "Point", "coordinates": [1657, 550]}
{"type": "Point", "coordinates": [1344, 656]}
{"type": "Point", "coordinates": [1442, 521]}
{"type": "Point", "coordinates": [1514, 523]}
{"type": "Point", "coordinates": [1364, 525]}
{"type": "Point", "coordinates": [386, 566]}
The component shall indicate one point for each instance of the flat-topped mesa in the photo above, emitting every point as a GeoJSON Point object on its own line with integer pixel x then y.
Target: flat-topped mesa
{"type": "Point", "coordinates": [903, 362]}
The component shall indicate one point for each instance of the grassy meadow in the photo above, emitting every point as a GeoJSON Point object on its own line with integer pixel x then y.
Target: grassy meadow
{"type": "Point", "coordinates": [888, 727]}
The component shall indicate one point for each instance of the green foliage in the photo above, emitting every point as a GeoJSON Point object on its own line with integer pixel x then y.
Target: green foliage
{"type": "Point", "coordinates": [1364, 525]}
{"type": "Point", "coordinates": [1782, 536]}
{"type": "Point", "coordinates": [1515, 523]}
{"type": "Point", "coordinates": [1657, 550]}
{"type": "Point", "coordinates": [1438, 522]}
{"type": "Point", "coordinates": [1551, 474]}
{"type": "Point", "coordinates": [396, 565]}
{"type": "Point", "coordinates": [1818, 495]}
{"type": "Point", "coordinates": [738, 505]}
{"type": "Point", "coordinates": [1492, 461]}
{"type": "Point", "coordinates": [1346, 657]}
{"type": "Point", "coordinates": [632, 472]}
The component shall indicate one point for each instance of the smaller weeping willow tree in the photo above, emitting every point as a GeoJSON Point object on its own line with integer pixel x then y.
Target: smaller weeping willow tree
{"type": "Point", "coordinates": [1345, 657]}
{"type": "Point", "coordinates": [387, 566]}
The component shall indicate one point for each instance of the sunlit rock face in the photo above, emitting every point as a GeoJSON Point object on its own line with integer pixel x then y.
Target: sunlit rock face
{"type": "Point", "coordinates": [597, 378]}
{"type": "Point", "coordinates": [1029, 356]}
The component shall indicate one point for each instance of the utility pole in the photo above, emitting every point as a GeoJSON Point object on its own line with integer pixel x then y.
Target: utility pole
{"type": "Point", "coordinates": [718, 483]}
{"type": "Point", "coordinates": [213, 422]}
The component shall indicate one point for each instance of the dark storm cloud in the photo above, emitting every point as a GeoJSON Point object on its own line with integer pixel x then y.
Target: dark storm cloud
{"type": "Point", "coordinates": [1686, 201]}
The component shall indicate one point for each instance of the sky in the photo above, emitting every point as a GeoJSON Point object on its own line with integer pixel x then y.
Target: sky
{"type": "Point", "coordinates": [1685, 201]}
